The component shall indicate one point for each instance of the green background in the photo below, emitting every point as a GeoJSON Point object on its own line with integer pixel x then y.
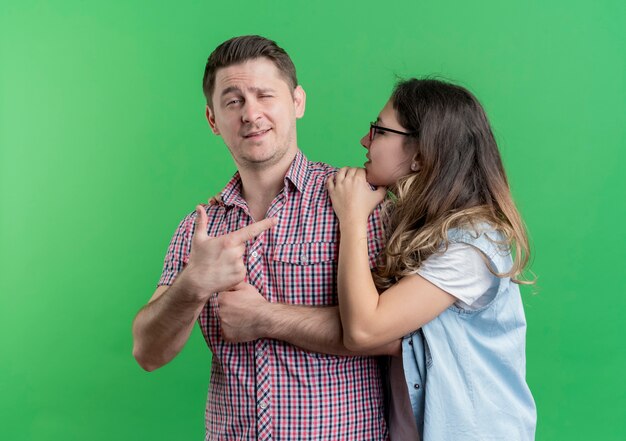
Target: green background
{"type": "Point", "coordinates": [104, 148]}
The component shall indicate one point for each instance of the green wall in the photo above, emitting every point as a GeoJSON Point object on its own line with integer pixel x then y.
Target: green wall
{"type": "Point", "coordinates": [104, 147]}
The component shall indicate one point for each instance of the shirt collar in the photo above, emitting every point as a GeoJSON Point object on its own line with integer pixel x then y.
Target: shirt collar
{"type": "Point", "coordinates": [298, 175]}
{"type": "Point", "coordinates": [231, 194]}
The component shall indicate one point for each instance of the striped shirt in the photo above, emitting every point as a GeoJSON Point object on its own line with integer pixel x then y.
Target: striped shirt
{"type": "Point", "coordinates": [268, 389]}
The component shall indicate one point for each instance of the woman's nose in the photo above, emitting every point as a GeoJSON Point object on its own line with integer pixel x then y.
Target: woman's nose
{"type": "Point", "coordinates": [365, 141]}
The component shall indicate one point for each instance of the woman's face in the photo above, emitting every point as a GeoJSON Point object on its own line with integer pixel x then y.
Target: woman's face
{"type": "Point", "coordinates": [388, 158]}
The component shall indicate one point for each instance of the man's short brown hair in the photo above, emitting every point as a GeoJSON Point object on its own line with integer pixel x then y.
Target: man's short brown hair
{"type": "Point", "coordinates": [244, 48]}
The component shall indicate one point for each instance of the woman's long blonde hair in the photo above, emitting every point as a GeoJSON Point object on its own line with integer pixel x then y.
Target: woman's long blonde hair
{"type": "Point", "coordinates": [460, 182]}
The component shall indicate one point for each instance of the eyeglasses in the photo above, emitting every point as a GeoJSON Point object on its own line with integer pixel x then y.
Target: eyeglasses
{"type": "Point", "coordinates": [375, 129]}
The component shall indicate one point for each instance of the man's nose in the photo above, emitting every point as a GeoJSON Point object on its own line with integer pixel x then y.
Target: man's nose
{"type": "Point", "coordinates": [251, 111]}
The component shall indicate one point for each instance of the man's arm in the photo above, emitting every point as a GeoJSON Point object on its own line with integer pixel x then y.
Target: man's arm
{"type": "Point", "coordinates": [246, 315]}
{"type": "Point", "coordinates": [316, 329]}
{"type": "Point", "coordinates": [162, 327]}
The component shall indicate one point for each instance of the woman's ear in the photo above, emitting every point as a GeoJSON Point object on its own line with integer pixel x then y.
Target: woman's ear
{"type": "Point", "coordinates": [416, 164]}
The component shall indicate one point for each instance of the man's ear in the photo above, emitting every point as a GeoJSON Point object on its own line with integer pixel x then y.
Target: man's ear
{"type": "Point", "coordinates": [210, 117]}
{"type": "Point", "coordinates": [299, 100]}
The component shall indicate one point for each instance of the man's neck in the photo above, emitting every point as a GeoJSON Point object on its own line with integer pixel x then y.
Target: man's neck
{"type": "Point", "coordinates": [260, 186]}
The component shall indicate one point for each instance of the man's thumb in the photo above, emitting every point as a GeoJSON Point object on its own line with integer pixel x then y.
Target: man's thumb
{"type": "Point", "coordinates": [202, 222]}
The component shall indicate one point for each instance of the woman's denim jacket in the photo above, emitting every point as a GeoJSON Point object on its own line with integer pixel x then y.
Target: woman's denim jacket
{"type": "Point", "coordinates": [466, 369]}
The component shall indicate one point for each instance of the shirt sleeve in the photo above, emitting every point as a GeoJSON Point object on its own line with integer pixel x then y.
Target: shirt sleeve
{"type": "Point", "coordinates": [375, 239]}
{"type": "Point", "coordinates": [178, 251]}
{"type": "Point", "coordinates": [462, 272]}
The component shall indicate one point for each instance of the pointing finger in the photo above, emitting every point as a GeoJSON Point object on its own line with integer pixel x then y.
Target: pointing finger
{"type": "Point", "coordinates": [251, 231]}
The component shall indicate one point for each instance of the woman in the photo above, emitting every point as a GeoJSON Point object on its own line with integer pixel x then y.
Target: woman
{"type": "Point", "coordinates": [456, 248]}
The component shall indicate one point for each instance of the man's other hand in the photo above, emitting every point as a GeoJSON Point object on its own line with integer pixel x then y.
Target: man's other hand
{"type": "Point", "coordinates": [241, 310]}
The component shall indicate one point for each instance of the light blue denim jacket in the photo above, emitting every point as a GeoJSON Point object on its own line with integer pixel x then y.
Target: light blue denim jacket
{"type": "Point", "coordinates": [466, 369]}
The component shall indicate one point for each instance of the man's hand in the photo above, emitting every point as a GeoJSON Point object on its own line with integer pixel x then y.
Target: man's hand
{"type": "Point", "coordinates": [163, 326]}
{"type": "Point", "coordinates": [240, 310]}
{"type": "Point", "coordinates": [216, 263]}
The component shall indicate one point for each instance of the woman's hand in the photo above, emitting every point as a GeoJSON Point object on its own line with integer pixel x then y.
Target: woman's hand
{"type": "Point", "coordinates": [352, 197]}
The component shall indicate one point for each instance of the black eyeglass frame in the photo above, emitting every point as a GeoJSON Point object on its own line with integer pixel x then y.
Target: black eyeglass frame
{"type": "Point", "coordinates": [374, 127]}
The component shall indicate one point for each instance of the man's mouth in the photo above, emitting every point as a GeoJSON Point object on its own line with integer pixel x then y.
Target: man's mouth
{"type": "Point", "coordinates": [256, 134]}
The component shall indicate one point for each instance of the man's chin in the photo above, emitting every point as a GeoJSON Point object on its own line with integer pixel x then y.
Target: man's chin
{"type": "Point", "coordinates": [262, 160]}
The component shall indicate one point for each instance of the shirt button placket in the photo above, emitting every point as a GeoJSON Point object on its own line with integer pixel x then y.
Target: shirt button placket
{"type": "Point", "coordinates": [255, 264]}
{"type": "Point", "coordinates": [263, 391]}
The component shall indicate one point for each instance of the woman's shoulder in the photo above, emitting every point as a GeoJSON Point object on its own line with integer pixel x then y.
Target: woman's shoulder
{"type": "Point", "coordinates": [483, 235]}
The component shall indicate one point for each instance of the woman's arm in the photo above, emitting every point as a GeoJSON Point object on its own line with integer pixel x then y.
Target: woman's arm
{"type": "Point", "coordinates": [370, 320]}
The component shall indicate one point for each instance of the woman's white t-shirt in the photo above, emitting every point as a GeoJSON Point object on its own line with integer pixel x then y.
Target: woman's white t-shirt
{"type": "Point", "coordinates": [462, 272]}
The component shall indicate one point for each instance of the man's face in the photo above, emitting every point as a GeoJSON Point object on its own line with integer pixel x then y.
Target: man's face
{"type": "Point", "coordinates": [255, 112]}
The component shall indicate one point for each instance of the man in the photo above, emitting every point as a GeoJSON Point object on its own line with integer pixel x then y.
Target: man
{"type": "Point", "coordinates": [278, 383]}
